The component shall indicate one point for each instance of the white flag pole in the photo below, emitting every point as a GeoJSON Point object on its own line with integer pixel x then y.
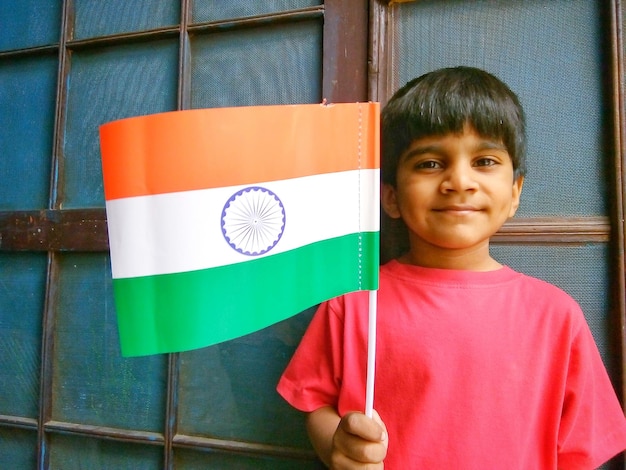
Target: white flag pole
{"type": "Point", "coordinates": [371, 353]}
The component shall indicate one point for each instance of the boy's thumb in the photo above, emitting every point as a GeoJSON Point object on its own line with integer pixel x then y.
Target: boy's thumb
{"type": "Point", "coordinates": [376, 417]}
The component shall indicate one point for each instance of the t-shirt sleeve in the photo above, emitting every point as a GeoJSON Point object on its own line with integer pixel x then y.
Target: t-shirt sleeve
{"type": "Point", "coordinates": [312, 378]}
{"type": "Point", "coordinates": [593, 426]}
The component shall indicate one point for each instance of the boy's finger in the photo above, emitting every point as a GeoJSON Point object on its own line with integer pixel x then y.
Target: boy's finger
{"type": "Point", "coordinates": [371, 429]}
{"type": "Point", "coordinates": [357, 450]}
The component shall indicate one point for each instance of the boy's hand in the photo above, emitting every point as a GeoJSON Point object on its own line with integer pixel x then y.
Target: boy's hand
{"type": "Point", "coordinates": [359, 443]}
{"type": "Point", "coordinates": [352, 442]}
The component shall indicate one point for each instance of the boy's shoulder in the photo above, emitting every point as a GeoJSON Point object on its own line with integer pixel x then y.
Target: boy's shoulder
{"type": "Point", "coordinates": [548, 296]}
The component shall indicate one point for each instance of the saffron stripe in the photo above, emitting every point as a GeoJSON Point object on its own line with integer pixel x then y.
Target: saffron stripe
{"type": "Point", "coordinates": [176, 151]}
{"type": "Point", "coordinates": [195, 309]}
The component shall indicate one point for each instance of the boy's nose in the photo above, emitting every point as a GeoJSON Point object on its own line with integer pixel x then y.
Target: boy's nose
{"type": "Point", "coordinates": [459, 178]}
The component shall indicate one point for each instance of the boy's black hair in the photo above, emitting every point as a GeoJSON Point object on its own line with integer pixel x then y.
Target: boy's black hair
{"type": "Point", "coordinates": [444, 101]}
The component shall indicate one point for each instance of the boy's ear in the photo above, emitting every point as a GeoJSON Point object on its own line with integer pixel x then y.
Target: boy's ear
{"type": "Point", "coordinates": [389, 201]}
{"type": "Point", "coordinates": [517, 193]}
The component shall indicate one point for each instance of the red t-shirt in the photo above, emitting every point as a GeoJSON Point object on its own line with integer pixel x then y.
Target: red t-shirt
{"type": "Point", "coordinates": [474, 370]}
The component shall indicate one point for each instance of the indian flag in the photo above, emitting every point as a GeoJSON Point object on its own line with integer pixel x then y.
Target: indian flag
{"type": "Point", "coordinates": [224, 221]}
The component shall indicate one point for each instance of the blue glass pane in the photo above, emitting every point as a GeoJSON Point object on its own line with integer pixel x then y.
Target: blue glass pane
{"type": "Point", "coordinates": [102, 18]}
{"type": "Point", "coordinates": [229, 390]}
{"type": "Point", "coordinates": [29, 23]}
{"type": "Point", "coordinates": [92, 383]}
{"type": "Point", "coordinates": [103, 86]}
{"type": "Point", "coordinates": [27, 97]}
{"type": "Point", "coordinates": [78, 453]}
{"type": "Point", "coordinates": [22, 296]}
{"type": "Point", "coordinates": [213, 10]}
{"type": "Point", "coordinates": [274, 65]}
{"type": "Point", "coordinates": [550, 53]}
{"type": "Point", "coordinates": [18, 448]}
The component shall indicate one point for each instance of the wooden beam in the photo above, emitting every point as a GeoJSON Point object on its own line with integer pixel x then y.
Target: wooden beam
{"type": "Point", "coordinates": [86, 230]}
{"type": "Point", "coordinates": [538, 230]}
{"type": "Point", "coordinates": [345, 59]}
{"type": "Point", "coordinates": [54, 230]}
{"type": "Point", "coordinates": [617, 16]}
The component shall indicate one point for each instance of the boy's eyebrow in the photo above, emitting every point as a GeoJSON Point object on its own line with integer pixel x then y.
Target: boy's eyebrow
{"type": "Point", "coordinates": [421, 150]}
{"type": "Point", "coordinates": [491, 145]}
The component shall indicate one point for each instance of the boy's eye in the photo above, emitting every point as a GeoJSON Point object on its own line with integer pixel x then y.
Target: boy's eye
{"type": "Point", "coordinates": [485, 161]}
{"type": "Point", "coordinates": [427, 165]}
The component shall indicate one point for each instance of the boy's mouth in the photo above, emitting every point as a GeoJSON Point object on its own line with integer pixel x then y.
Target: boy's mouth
{"type": "Point", "coordinates": [457, 208]}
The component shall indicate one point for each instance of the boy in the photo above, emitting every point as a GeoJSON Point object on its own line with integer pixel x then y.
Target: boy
{"type": "Point", "coordinates": [478, 366]}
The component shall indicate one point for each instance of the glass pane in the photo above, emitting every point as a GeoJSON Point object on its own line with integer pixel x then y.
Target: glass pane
{"type": "Point", "coordinates": [30, 23]}
{"type": "Point", "coordinates": [27, 100]}
{"type": "Point", "coordinates": [105, 85]}
{"type": "Point", "coordinates": [550, 53]}
{"type": "Point", "coordinates": [274, 65]}
{"type": "Point", "coordinates": [581, 271]}
{"type": "Point", "coordinates": [92, 383]}
{"type": "Point", "coordinates": [229, 390]}
{"type": "Point", "coordinates": [78, 453]}
{"type": "Point", "coordinates": [22, 296]}
{"type": "Point", "coordinates": [18, 448]}
{"type": "Point", "coordinates": [213, 10]}
{"type": "Point", "coordinates": [98, 18]}
{"type": "Point", "coordinates": [189, 460]}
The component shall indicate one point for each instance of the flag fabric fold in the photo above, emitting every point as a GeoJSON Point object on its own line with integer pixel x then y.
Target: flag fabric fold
{"type": "Point", "coordinates": [224, 221]}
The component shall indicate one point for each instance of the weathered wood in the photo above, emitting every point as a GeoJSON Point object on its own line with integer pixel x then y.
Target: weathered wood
{"type": "Point", "coordinates": [125, 435]}
{"type": "Point", "coordinates": [54, 230]}
{"type": "Point", "coordinates": [617, 16]}
{"type": "Point", "coordinates": [194, 442]}
{"type": "Point", "coordinates": [86, 230]}
{"type": "Point", "coordinates": [345, 60]}
{"type": "Point", "coordinates": [554, 230]}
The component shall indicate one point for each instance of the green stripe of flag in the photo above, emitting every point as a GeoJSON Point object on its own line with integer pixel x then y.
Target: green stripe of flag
{"type": "Point", "coordinates": [183, 311]}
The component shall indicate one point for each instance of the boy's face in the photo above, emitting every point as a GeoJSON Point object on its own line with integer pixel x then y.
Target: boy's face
{"type": "Point", "coordinates": [453, 193]}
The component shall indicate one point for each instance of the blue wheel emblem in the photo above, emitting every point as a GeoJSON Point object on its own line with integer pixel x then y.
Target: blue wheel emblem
{"type": "Point", "coordinates": [253, 220]}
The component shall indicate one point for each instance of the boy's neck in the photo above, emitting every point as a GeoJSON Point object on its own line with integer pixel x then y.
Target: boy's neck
{"type": "Point", "coordinates": [463, 260]}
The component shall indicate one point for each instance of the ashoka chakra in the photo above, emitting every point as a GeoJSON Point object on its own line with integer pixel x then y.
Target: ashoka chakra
{"type": "Point", "coordinates": [253, 220]}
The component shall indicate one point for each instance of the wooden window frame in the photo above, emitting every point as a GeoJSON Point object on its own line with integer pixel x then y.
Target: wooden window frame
{"type": "Point", "coordinates": [357, 75]}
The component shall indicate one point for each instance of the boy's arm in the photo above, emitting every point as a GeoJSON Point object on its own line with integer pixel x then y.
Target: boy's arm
{"type": "Point", "coordinates": [321, 425]}
{"type": "Point", "coordinates": [351, 442]}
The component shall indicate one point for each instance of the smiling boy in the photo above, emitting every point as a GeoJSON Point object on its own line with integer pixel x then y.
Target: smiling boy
{"type": "Point", "coordinates": [479, 367]}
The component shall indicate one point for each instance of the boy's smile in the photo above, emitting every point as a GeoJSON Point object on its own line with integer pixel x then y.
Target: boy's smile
{"type": "Point", "coordinates": [453, 192]}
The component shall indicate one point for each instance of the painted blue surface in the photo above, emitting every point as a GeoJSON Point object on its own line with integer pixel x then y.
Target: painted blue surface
{"type": "Point", "coordinates": [22, 297]}
{"type": "Point", "coordinates": [215, 10]}
{"type": "Point", "coordinates": [29, 23]}
{"type": "Point", "coordinates": [266, 65]}
{"type": "Point", "coordinates": [26, 131]}
{"type": "Point", "coordinates": [103, 18]}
